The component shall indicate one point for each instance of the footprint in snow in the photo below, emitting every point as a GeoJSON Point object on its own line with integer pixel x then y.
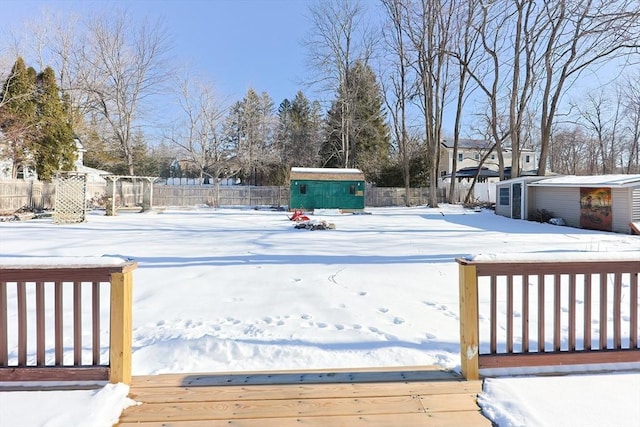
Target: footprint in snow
{"type": "Point", "coordinates": [383, 310]}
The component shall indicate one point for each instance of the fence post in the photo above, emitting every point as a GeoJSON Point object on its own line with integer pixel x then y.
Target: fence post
{"type": "Point", "coordinates": [121, 327]}
{"type": "Point", "coordinates": [469, 331]}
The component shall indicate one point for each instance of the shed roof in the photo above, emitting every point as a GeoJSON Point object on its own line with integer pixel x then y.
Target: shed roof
{"type": "Point", "coordinates": [620, 180]}
{"type": "Point", "coordinates": [329, 174]}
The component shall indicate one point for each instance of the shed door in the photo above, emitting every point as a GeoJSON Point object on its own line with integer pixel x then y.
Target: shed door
{"type": "Point", "coordinates": [516, 201]}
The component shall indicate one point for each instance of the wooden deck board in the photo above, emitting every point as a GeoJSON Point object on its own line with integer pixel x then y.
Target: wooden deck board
{"type": "Point", "coordinates": [292, 391]}
{"type": "Point", "coordinates": [295, 377]}
{"type": "Point", "coordinates": [273, 408]}
{"type": "Point", "coordinates": [442, 419]}
{"type": "Point", "coordinates": [419, 396]}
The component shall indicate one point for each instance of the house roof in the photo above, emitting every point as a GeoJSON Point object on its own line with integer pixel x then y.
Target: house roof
{"type": "Point", "coordinates": [337, 174]}
{"type": "Point", "coordinates": [594, 181]}
{"type": "Point", "coordinates": [470, 172]}
{"type": "Point", "coordinates": [477, 144]}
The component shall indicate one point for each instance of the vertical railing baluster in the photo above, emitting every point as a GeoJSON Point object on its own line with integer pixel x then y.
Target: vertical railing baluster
{"type": "Point", "coordinates": [77, 323]}
{"type": "Point", "coordinates": [617, 311]}
{"type": "Point", "coordinates": [22, 323]}
{"type": "Point", "coordinates": [557, 298]}
{"type": "Point", "coordinates": [525, 313]}
{"type": "Point", "coordinates": [493, 347]}
{"type": "Point", "coordinates": [541, 346]}
{"type": "Point", "coordinates": [40, 330]}
{"type": "Point", "coordinates": [633, 310]}
{"type": "Point", "coordinates": [58, 334]}
{"type": "Point", "coordinates": [4, 335]}
{"type": "Point", "coordinates": [95, 323]}
{"type": "Point", "coordinates": [587, 311]}
{"type": "Point", "coordinates": [572, 312]}
{"type": "Point", "coordinates": [510, 313]}
{"type": "Point", "coordinates": [603, 311]}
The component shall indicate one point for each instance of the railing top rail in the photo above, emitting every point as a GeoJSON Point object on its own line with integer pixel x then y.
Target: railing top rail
{"type": "Point", "coordinates": [550, 263]}
{"type": "Point", "coordinates": [63, 268]}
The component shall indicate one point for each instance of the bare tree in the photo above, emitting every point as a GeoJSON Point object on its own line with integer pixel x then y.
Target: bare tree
{"type": "Point", "coordinates": [339, 38]}
{"type": "Point", "coordinates": [631, 103]}
{"type": "Point", "coordinates": [573, 152]}
{"type": "Point", "coordinates": [504, 70]}
{"type": "Point", "coordinates": [464, 47]}
{"type": "Point", "coordinates": [600, 115]}
{"type": "Point", "coordinates": [398, 94]}
{"type": "Point", "coordinates": [430, 33]}
{"type": "Point", "coordinates": [579, 35]}
{"type": "Point", "coordinates": [126, 68]}
{"type": "Point", "coordinates": [196, 132]}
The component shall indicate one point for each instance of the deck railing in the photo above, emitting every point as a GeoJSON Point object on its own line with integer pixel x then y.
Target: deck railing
{"type": "Point", "coordinates": [552, 312]}
{"type": "Point", "coordinates": [56, 318]}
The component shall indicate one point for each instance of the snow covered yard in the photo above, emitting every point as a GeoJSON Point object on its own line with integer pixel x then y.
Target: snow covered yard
{"type": "Point", "coordinates": [240, 289]}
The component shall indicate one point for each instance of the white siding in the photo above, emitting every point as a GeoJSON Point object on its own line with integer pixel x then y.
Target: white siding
{"type": "Point", "coordinates": [562, 202]}
{"type": "Point", "coordinates": [565, 203]}
{"type": "Point", "coordinates": [635, 209]}
{"type": "Point", "coordinates": [620, 209]}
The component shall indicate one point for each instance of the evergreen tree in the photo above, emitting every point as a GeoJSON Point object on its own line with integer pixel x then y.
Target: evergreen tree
{"type": "Point", "coordinates": [249, 127]}
{"type": "Point", "coordinates": [54, 143]}
{"type": "Point", "coordinates": [299, 124]}
{"type": "Point", "coordinates": [358, 111]}
{"type": "Point", "coordinates": [18, 115]}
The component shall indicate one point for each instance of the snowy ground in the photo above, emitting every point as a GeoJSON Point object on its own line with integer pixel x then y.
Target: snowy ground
{"type": "Point", "coordinates": [239, 289]}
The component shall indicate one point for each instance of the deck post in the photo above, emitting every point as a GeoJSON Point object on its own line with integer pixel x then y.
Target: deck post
{"type": "Point", "coordinates": [121, 327]}
{"type": "Point", "coordinates": [469, 331]}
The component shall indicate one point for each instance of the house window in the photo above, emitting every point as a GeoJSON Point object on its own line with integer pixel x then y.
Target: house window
{"type": "Point", "coordinates": [476, 156]}
{"type": "Point", "coordinates": [352, 189]}
{"type": "Point", "coordinates": [527, 158]}
{"type": "Point", "coordinates": [303, 188]}
{"type": "Point", "coordinates": [504, 196]}
{"type": "Point", "coordinates": [493, 157]}
{"type": "Point", "coordinates": [460, 157]}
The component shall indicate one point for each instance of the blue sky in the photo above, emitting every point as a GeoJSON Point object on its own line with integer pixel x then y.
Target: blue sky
{"type": "Point", "coordinates": [234, 44]}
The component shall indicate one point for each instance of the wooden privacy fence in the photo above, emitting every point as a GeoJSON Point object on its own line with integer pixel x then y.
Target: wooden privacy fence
{"type": "Point", "coordinates": [53, 315]}
{"type": "Point", "coordinates": [555, 312]}
{"type": "Point", "coordinates": [16, 194]}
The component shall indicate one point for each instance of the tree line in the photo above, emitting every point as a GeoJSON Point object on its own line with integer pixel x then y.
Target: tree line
{"type": "Point", "coordinates": [504, 71]}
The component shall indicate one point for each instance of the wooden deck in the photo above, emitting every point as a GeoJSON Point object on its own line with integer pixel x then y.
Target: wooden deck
{"type": "Point", "coordinates": [394, 397]}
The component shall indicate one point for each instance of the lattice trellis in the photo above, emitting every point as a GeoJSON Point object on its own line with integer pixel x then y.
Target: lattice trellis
{"type": "Point", "coordinates": [70, 204]}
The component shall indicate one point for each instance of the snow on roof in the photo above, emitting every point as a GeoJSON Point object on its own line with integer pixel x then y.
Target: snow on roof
{"type": "Point", "coordinates": [325, 170]}
{"type": "Point", "coordinates": [621, 180]}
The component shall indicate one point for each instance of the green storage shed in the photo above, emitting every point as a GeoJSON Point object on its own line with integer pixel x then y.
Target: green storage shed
{"type": "Point", "coordinates": [326, 188]}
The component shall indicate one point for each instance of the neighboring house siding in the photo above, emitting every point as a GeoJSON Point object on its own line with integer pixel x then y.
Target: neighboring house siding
{"type": "Point", "coordinates": [635, 210]}
{"type": "Point", "coordinates": [561, 202]}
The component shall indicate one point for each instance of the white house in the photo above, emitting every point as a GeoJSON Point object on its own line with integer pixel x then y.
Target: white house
{"type": "Point", "coordinates": [471, 151]}
{"type": "Point", "coordinates": [597, 202]}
